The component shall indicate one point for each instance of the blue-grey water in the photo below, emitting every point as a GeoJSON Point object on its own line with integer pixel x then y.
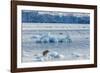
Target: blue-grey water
{"type": "Point", "coordinates": [71, 44]}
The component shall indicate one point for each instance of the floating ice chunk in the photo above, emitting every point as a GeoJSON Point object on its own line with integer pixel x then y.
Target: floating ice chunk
{"type": "Point", "coordinates": [50, 38]}
{"type": "Point", "coordinates": [61, 56]}
{"type": "Point", "coordinates": [38, 58]}
{"type": "Point", "coordinates": [54, 55]}
{"type": "Point", "coordinates": [26, 54]}
{"type": "Point", "coordinates": [78, 55]}
{"type": "Point", "coordinates": [36, 38]}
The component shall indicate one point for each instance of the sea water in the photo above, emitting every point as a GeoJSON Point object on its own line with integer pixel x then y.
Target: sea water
{"type": "Point", "coordinates": [78, 48]}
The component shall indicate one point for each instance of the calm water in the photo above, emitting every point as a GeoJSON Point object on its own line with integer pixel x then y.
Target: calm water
{"type": "Point", "coordinates": [76, 49]}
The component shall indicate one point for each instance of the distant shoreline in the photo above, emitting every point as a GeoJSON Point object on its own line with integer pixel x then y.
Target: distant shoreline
{"type": "Point", "coordinates": [49, 26]}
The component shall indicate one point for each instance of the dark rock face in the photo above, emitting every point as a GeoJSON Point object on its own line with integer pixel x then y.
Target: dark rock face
{"type": "Point", "coordinates": [45, 52]}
